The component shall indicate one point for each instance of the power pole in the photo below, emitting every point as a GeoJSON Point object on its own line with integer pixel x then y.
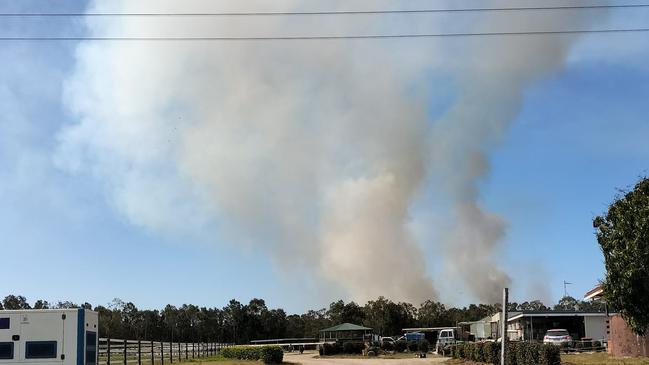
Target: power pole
{"type": "Point", "coordinates": [503, 327]}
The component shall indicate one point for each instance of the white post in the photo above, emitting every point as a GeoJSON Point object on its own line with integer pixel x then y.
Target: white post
{"type": "Point", "coordinates": [503, 327]}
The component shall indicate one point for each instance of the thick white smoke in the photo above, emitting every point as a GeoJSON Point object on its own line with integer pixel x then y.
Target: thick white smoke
{"type": "Point", "coordinates": [313, 150]}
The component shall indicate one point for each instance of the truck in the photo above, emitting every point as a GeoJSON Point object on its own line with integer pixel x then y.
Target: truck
{"type": "Point", "coordinates": [447, 337]}
{"type": "Point", "coordinates": [49, 337]}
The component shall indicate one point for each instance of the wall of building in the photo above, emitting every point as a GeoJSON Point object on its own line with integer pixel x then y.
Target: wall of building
{"type": "Point", "coordinates": [596, 327]}
{"type": "Point", "coordinates": [623, 342]}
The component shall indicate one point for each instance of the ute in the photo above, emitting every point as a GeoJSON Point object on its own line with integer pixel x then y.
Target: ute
{"type": "Point", "coordinates": [446, 338]}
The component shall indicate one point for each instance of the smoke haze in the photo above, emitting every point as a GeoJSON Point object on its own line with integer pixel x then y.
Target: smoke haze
{"type": "Point", "coordinates": [311, 151]}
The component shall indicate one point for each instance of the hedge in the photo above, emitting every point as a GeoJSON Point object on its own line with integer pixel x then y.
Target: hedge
{"type": "Point", "coordinates": [518, 353]}
{"type": "Point", "coordinates": [268, 354]}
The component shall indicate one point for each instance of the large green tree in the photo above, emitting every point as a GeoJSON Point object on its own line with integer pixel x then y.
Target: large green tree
{"type": "Point", "coordinates": [623, 235]}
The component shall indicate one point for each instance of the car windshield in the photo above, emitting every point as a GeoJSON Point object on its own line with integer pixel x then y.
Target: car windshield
{"type": "Point", "coordinates": [557, 333]}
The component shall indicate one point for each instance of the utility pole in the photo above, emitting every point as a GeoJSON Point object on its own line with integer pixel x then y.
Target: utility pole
{"type": "Point", "coordinates": [503, 327]}
{"type": "Point", "coordinates": [565, 288]}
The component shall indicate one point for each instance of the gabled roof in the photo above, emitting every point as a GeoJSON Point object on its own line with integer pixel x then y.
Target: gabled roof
{"type": "Point", "coordinates": [594, 293]}
{"type": "Point", "coordinates": [346, 327]}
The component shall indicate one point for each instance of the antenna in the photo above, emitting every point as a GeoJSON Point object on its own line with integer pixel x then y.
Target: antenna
{"type": "Point", "coordinates": [565, 288]}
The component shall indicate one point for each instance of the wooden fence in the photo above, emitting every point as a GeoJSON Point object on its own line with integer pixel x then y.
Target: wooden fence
{"type": "Point", "coordinates": [129, 352]}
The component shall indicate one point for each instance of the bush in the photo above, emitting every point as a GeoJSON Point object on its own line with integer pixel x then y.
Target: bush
{"type": "Point", "coordinates": [550, 355]}
{"type": "Point", "coordinates": [400, 346]}
{"type": "Point", "coordinates": [423, 346]}
{"type": "Point", "coordinates": [272, 354]}
{"type": "Point", "coordinates": [329, 349]}
{"type": "Point", "coordinates": [353, 347]}
{"type": "Point", "coordinates": [413, 346]}
{"type": "Point", "coordinates": [520, 353]}
{"type": "Point", "coordinates": [268, 354]}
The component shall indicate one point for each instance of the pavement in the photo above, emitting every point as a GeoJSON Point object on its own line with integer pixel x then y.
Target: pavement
{"type": "Point", "coordinates": [309, 358]}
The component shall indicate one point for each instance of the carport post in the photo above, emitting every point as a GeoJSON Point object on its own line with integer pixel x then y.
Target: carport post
{"type": "Point", "coordinates": [503, 327]}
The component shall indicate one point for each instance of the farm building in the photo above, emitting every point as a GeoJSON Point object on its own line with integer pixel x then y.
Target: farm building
{"type": "Point", "coordinates": [532, 325]}
{"type": "Point", "coordinates": [621, 340]}
{"type": "Point", "coordinates": [50, 336]}
{"type": "Point", "coordinates": [345, 332]}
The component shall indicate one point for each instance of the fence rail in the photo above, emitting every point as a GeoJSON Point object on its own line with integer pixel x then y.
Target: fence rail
{"type": "Point", "coordinates": [114, 351]}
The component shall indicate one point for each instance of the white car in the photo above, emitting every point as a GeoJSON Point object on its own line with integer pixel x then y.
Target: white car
{"type": "Point", "coordinates": [559, 337]}
{"type": "Point", "coordinates": [387, 339]}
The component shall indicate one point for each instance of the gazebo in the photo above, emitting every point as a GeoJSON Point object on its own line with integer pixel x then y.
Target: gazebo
{"type": "Point", "coordinates": [344, 332]}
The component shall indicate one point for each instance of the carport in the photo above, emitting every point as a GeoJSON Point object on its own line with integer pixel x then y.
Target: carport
{"type": "Point", "coordinates": [532, 325]}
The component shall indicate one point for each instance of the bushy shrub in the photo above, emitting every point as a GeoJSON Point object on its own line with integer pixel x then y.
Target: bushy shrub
{"type": "Point", "coordinates": [353, 347]}
{"type": "Point", "coordinates": [272, 354]}
{"type": "Point", "coordinates": [400, 346]}
{"type": "Point", "coordinates": [423, 346]}
{"type": "Point", "coordinates": [491, 353]}
{"type": "Point", "coordinates": [550, 355]}
{"type": "Point", "coordinates": [268, 354]}
{"type": "Point", "coordinates": [330, 349]}
{"type": "Point", "coordinates": [413, 346]}
{"type": "Point", "coordinates": [520, 353]}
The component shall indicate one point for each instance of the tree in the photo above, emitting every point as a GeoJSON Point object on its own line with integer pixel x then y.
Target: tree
{"type": "Point", "coordinates": [567, 304]}
{"type": "Point", "coordinates": [41, 304]}
{"type": "Point", "coordinates": [623, 236]}
{"type": "Point", "coordinates": [15, 302]}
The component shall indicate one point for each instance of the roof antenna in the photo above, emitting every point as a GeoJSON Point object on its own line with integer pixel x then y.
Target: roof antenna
{"type": "Point", "coordinates": [565, 288]}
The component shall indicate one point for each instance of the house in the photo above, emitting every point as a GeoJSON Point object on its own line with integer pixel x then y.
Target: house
{"type": "Point", "coordinates": [621, 340]}
{"type": "Point", "coordinates": [345, 332]}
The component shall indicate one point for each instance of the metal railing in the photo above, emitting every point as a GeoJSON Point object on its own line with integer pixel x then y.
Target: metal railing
{"type": "Point", "coordinates": [114, 351]}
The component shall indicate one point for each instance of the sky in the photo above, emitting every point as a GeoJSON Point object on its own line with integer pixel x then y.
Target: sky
{"type": "Point", "coordinates": [579, 133]}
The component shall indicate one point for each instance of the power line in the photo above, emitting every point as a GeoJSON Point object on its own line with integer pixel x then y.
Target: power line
{"type": "Point", "coordinates": [333, 12]}
{"type": "Point", "coordinates": [328, 37]}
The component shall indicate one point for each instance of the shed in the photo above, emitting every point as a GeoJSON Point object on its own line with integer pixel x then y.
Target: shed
{"type": "Point", "coordinates": [532, 325]}
{"type": "Point", "coordinates": [345, 332]}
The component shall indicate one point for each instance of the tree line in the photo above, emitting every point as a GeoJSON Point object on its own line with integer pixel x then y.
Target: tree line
{"type": "Point", "coordinates": [240, 323]}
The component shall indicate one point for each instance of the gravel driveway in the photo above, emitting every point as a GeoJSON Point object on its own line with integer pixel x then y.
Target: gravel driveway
{"type": "Point", "coordinates": [309, 359]}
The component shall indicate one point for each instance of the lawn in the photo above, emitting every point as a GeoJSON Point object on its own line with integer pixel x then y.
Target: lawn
{"type": "Point", "coordinates": [601, 358]}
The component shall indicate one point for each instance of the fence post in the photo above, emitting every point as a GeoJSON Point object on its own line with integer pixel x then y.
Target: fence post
{"type": "Point", "coordinates": [139, 352]}
{"type": "Point", "coordinates": [186, 352]}
{"type": "Point", "coordinates": [179, 357]}
{"type": "Point", "coordinates": [162, 353]}
{"type": "Point", "coordinates": [125, 354]}
{"type": "Point", "coordinates": [108, 351]}
{"type": "Point", "coordinates": [193, 351]}
{"type": "Point", "coordinates": [152, 354]}
{"type": "Point", "coordinates": [171, 352]}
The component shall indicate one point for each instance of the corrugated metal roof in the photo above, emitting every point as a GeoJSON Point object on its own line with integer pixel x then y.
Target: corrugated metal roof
{"type": "Point", "coordinates": [346, 327]}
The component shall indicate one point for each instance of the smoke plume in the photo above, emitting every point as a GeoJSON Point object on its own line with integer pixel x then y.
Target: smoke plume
{"type": "Point", "coordinates": [313, 151]}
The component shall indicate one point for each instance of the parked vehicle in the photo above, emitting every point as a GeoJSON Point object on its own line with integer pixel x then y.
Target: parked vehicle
{"type": "Point", "coordinates": [446, 338]}
{"type": "Point", "coordinates": [387, 340]}
{"type": "Point", "coordinates": [414, 336]}
{"type": "Point", "coordinates": [559, 337]}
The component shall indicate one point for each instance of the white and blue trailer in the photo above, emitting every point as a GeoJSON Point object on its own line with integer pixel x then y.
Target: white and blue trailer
{"type": "Point", "coordinates": [49, 337]}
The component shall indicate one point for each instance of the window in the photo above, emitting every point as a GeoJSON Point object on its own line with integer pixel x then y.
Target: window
{"type": "Point", "coordinates": [40, 350]}
{"type": "Point", "coordinates": [6, 350]}
{"type": "Point", "coordinates": [91, 348]}
{"type": "Point", "coordinates": [4, 323]}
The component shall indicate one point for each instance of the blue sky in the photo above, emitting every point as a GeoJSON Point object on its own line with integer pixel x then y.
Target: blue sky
{"type": "Point", "coordinates": [581, 133]}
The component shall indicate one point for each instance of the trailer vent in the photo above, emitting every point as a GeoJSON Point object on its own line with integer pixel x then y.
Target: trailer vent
{"type": "Point", "coordinates": [6, 350]}
{"type": "Point", "coordinates": [40, 350]}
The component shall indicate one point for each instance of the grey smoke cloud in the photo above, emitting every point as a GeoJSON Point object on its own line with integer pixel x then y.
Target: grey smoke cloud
{"type": "Point", "coordinates": [312, 151]}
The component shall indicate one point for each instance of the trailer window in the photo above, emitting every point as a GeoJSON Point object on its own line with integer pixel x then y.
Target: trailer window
{"type": "Point", "coordinates": [4, 323]}
{"type": "Point", "coordinates": [91, 348]}
{"type": "Point", "coordinates": [40, 350]}
{"type": "Point", "coordinates": [6, 350]}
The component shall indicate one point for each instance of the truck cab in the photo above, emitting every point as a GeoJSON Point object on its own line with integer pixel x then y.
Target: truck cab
{"type": "Point", "coordinates": [446, 338]}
